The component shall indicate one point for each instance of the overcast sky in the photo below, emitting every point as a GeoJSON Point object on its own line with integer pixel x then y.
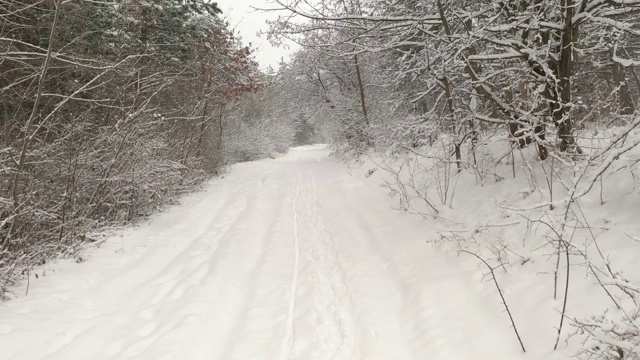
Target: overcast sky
{"type": "Point", "coordinates": [248, 22]}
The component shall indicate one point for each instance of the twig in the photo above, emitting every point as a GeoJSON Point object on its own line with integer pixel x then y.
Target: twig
{"type": "Point", "coordinates": [504, 302]}
{"type": "Point", "coordinates": [28, 279]}
{"type": "Point", "coordinates": [566, 293]}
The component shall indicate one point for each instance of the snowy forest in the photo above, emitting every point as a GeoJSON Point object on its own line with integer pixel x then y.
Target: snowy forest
{"type": "Point", "coordinates": [512, 127]}
{"type": "Point", "coordinates": [110, 110]}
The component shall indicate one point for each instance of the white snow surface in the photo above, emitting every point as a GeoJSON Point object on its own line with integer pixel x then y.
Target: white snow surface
{"type": "Point", "coordinates": [292, 258]}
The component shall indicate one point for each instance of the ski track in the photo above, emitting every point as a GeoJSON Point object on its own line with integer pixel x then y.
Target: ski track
{"type": "Point", "coordinates": [282, 259]}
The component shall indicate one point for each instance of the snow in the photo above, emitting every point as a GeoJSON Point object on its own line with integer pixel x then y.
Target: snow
{"type": "Point", "coordinates": [285, 258]}
{"type": "Point", "coordinates": [292, 258]}
{"type": "Point", "coordinates": [501, 212]}
{"type": "Point", "coordinates": [621, 61]}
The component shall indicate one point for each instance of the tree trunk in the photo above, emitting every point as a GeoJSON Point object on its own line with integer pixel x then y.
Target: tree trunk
{"type": "Point", "coordinates": [361, 88]}
{"type": "Point", "coordinates": [561, 115]}
{"type": "Point", "coordinates": [624, 96]}
{"type": "Point", "coordinates": [450, 107]}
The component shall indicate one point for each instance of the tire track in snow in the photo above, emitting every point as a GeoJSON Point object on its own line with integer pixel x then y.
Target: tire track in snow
{"type": "Point", "coordinates": [180, 282]}
{"type": "Point", "coordinates": [257, 279]}
{"type": "Point", "coordinates": [145, 309]}
{"type": "Point", "coordinates": [287, 342]}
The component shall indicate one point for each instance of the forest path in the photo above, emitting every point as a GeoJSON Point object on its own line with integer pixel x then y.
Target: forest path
{"type": "Point", "coordinates": [292, 258]}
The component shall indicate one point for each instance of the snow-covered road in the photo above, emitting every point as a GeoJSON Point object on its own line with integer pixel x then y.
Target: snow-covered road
{"type": "Point", "coordinates": [292, 258]}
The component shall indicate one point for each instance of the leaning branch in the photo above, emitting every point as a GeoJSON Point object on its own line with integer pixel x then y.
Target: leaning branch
{"type": "Point", "coordinates": [504, 302]}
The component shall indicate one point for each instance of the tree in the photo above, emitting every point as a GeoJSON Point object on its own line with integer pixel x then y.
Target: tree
{"type": "Point", "coordinates": [105, 110]}
{"type": "Point", "coordinates": [462, 49]}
